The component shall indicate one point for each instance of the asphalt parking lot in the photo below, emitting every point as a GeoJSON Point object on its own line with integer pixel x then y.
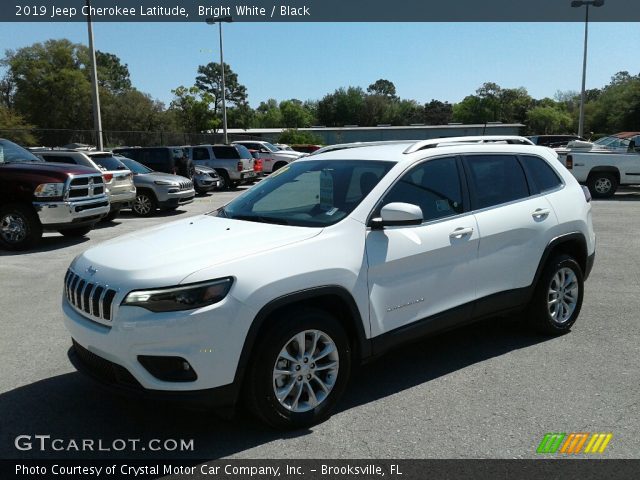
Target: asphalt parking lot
{"type": "Point", "coordinates": [490, 390]}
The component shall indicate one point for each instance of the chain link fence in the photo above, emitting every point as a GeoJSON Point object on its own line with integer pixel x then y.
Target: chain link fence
{"type": "Point", "coordinates": [38, 137]}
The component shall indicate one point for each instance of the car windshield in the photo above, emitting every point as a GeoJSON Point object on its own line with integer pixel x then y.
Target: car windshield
{"type": "Point", "coordinates": [313, 193]}
{"type": "Point", "coordinates": [134, 166]}
{"type": "Point", "coordinates": [12, 153]}
{"type": "Point", "coordinates": [612, 142]}
{"type": "Point", "coordinates": [108, 162]}
{"type": "Point", "coordinates": [271, 147]}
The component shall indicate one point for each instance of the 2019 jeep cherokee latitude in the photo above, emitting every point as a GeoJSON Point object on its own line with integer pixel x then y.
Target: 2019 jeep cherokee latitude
{"type": "Point", "coordinates": [359, 250]}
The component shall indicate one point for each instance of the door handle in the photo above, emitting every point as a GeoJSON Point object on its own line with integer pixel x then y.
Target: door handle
{"type": "Point", "coordinates": [540, 212]}
{"type": "Point", "coordinates": [461, 232]}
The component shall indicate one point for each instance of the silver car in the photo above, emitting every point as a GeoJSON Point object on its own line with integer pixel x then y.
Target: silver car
{"type": "Point", "coordinates": [156, 190]}
{"type": "Point", "coordinates": [205, 179]}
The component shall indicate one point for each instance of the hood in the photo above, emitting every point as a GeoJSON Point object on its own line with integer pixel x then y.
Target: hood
{"type": "Point", "coordinates": [166, 254]}
{"type": "Point", "coordinates": [44, 172]}
{"type": "Point", "coordinates": [158, 176]}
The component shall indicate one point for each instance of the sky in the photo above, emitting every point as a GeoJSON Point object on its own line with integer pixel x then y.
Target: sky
{"type": "Point", "coordinates": [444, 61]}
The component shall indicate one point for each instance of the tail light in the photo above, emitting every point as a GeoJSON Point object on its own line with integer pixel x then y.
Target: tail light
{"type": "Point", "coordinates": [240, 168]}
{"type": "Point", "coordinates": [587, 194]}
{"type": "Point", "coordinates": [107, 177]}
{"type": "Point", "coordinates": [569, 162]}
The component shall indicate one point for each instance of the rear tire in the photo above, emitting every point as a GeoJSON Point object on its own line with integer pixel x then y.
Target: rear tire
{"type": "Point", "coordinates": [20, 227]}
{"type": "Point", "coordinates": [558, 297]}
{"type": "Point", "coordinates": [602, 185]}
{"type": "Point", "coordinates": [278, 166]}
{"type": "Point", "coordinates": [111, 216]}
{"type": "Point", "coordinates": [76, 232]}
{"type": "Point", "coordinates": [310, 381]}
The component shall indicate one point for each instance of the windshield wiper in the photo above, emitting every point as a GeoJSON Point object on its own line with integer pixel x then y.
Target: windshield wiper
{"type": "Point", "coordinates": [261, 219]}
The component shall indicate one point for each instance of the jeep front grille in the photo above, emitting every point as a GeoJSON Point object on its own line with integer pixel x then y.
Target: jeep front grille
{"type": "Point", "coordinates": [95, 300]}
{"type": "Point", "coordinates": [186, 185]}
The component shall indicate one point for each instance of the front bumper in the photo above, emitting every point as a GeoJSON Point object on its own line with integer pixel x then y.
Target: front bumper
{"type": "Point", "coordinates": [210, 339]}
{"type": "Point", "coordinates": [175, 199]}
{"type": "Point", "coordinates": [71, 213]}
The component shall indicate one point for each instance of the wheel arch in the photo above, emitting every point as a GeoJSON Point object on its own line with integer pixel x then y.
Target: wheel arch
{"type": "Point", "coordinates": [605, 169]}
{"type": "Point", "coordinates": [573, 244]}
{"type": "Point", "coordinates": [333, 299]}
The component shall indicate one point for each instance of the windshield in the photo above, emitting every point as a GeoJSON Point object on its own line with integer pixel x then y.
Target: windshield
{"type": "Point", "coordinates": [134, 166]}
{"type": "Point", "coordinates": [309, 193]}
{"type": "Point", "coordinates": [612, 142]}
{"type": "Point", "coordinates": [12, 153]}
{"type": "Point", "coordinates": [271, 147]}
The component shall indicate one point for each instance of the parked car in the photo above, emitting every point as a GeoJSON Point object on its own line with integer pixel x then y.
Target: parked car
{"type": "Point", "coordinates": [205, 179]}
{"type": "Point", "coordinates": [306, 148]}
{"type": "Point", "coordinates": [272, 158]}
{"type": "Point", "coordinates": [359, 251]}
{"type": "Point", "coordinates": [604, 172]}
{"type": "Point", "coordinates": [233, 163]}
{"type": "Point", "coordinates": [157, 190]}
{"type": "Point", "coordinates": [118, 179]}
{"type": "Point", "coordinates": [160, 159]}
{"type": "Point", "coordinates": [36, 196]}
{"type": "Point", "coordinates": [283, 146]}
{"type": "Point", "coordinates": [554, 141]}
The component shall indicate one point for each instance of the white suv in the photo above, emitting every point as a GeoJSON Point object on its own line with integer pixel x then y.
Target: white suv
{"type": "Point", "coordinates": [360, 250]}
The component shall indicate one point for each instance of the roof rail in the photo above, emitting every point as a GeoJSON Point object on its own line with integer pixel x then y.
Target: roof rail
{"type": "Point", "coordinates": [478, 139]}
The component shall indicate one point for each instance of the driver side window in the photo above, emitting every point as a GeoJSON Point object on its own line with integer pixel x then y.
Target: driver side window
{"type": "Point", "coordinates": [434, 186]}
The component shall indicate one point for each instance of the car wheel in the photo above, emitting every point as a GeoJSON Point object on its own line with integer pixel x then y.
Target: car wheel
{"type": "Point", "coordinates": [300, 370]}
{"type": "Point", "coordinates": [201, 191]}
{"type": "Point", "coordinates": [145, 204]}
{"type": "Point", "coordinates": [558, 297]}
{"type": "Point", "coordinates": [111, 216]}
{"type": "Point", "coordinates": [602, 185]}
{"type": "Point", "coordinates": [20, 227]}
{"type": "Point", "coordinates": [278, 166]}
{"type": "Point", "coordinates": [76, 232]}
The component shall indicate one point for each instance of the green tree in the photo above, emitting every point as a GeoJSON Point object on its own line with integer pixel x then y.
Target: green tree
{"type": "Point", "coordinates": [52, 89]}
{"type": "Point", "coordinates": [112, 74]}
{"type": "Point", "coordinates": [209, 80]}
{"type": "Point", "coordinates": [294, 114]}
{"type": "Point", "coordinates": [383, 87]}
{"type": "Point", "coordinates": [548, 120]}
{"type": "Point", "coordinates": [268, 114]}
{"type": "Point", "coordinates": [437, 113]}
{"type": "Point", "coordinates": [342, 107]}
{"type": "Point", "coordinates": [191, 106]}
{"type": "Point", "coordinates": [14, 128]}
{"type": "Point", "coordinates": [293, 136]}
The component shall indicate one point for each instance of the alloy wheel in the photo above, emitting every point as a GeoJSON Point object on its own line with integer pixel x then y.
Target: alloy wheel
{"type": "Point", "coordinates": [142, 205]}
{"type": "Point", "coordinates": [603, 185]}
{"type": "Point", "coordinates": [305, 371]}
{"type": "Point", "coordinates": [562, 296]}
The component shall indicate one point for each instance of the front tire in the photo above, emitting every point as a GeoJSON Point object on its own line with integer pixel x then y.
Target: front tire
{"type": "Point", "coordinates": [111, 216]}
{"type": "Point", "coordinates": [20, 227]}
{"type": "Point", "coordinates": [558, 297]}
{"type": "Point", "coordinates": [602, 185]}
{"type": "Point", "coordinates": [145, 204]}
{"type": "Point", "coordinates": [300, 370]}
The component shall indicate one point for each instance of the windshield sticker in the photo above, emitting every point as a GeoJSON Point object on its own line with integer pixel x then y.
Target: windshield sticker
{"type": "Point", "coordinates": [326, 190]}
{"type": "Point", "coordinates": [332, 211]}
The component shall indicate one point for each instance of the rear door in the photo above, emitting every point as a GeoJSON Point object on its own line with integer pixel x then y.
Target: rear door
{"type": "Point", "coordinates": [515, 223]}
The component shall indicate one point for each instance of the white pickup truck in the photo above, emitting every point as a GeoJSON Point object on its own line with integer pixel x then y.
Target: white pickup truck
{"type": "Point", "coordinates": [603, 169]}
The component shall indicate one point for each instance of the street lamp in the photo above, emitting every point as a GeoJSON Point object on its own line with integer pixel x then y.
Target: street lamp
{"type": "Point", "coordinates": [578, 4]}
{"type": "Point", "coordinates": [219, 21]}
{"type": "Point", "coordinates": [97, 118]}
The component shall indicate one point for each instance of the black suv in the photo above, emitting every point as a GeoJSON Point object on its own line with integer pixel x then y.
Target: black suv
{"type": "Point", "coordinates": [160, 159]}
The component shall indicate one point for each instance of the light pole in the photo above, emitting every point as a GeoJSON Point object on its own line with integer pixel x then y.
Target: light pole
{"type": "Point", "coordinates": [97, 118]}
{"type": "Point", "coordinates": [219, 21]}
{"type": "Point", "coordinates": [577, 4]}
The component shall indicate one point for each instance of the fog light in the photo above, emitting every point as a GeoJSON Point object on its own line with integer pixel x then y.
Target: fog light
{"type": "Point", "coordinates": [168, 369]}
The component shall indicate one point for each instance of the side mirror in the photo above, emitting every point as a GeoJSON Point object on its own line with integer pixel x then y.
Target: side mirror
{"type": "Point", "coordinates": [264, 150]}
{"type": "Point", "coordinates": [397, 215]}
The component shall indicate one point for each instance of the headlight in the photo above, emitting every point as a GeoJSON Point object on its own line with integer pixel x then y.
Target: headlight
{"type": "Point", "coordinates": [164, 182]}
{"type": "Point", "coordinates": [186, 297]}
{"type": "Point", "coordinates": [49, 190]}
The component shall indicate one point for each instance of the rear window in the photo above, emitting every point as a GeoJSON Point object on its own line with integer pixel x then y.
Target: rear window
{"type": "Point", "coordinates": [59, 159]}
{"type": "Point", "coordinates": [496, 179]}
{"type": "Point", "coordinates": [244, 152]}
{"type": "Point", "coordinates": [108, 163]}
{"type": "Point", "coordinates": [227, 152]}
{"type": "Point", "coordinates": [543, 176]}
